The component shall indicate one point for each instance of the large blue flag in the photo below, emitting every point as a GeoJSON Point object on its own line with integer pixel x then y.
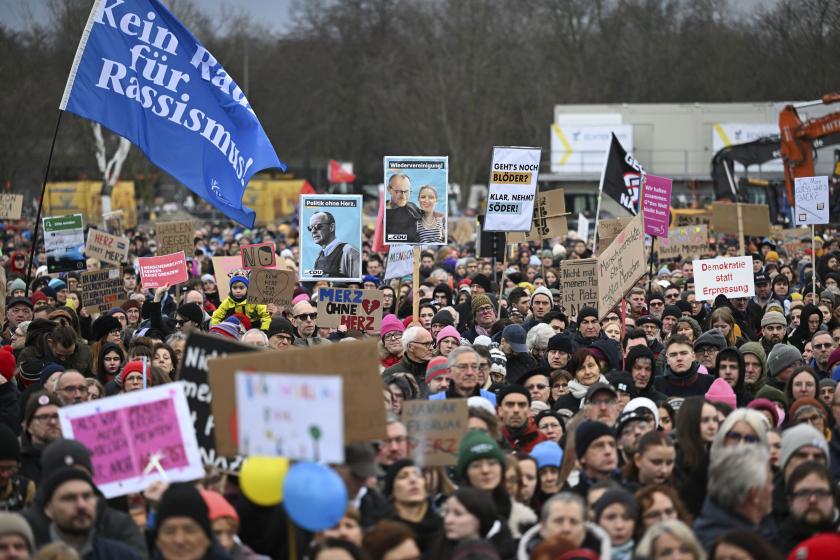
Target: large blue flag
{"type": "Point", "coordinates": [142, 74]}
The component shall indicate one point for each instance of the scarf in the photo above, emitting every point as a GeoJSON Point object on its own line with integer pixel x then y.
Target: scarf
{"type": "Point", "coordinates": [578, 389]}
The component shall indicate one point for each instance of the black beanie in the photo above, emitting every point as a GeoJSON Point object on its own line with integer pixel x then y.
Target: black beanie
{"type": "Point", "coordinates": [65, 474]}
{"type": "Point", "coordinates": [104, 325]}
{"type": "Point", "coordinates": [562, 342]}
{"type": "Point", "coordinates": [280, 325]}
{"type": "Point", "coordinates": [585, 312]}
{"type": "Point", "coordinates": [443, 317]}
{"type": "Point", "coordinates": [191, 311]}
{"type": "Point", "coordinates": [183, 500]}
{"type": "Point", "coordinates": [392, 473]}
{"type": "Point", "coordinates": [9, 445]}
{"type": "Point", "coordinates": [587, 432]}
{"type": "Point", "coordinates": [685, 307]}
{"type": "Point", "coordinates": [63, 453]}
{"type": "Point", "coordinates": [672, 311]}
{"type": "Point", "coordinates": [510, 389]}
{"type": "Point", "coordinates": [482, 281]}
{"type": "Point", "coordinates": [616, 496]}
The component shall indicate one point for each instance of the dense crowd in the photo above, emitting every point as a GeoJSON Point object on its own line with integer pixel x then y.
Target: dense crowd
{"type": "Point", "coordinates": [666, 427]}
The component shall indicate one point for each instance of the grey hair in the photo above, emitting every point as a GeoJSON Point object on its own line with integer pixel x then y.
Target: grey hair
{"type": "Point", "coordinates": [58, 379]}
{"type": "Point", "coordinates": [409, 336]}
{"type": "Point", "coordinates": [563, 498]}
{"type": "Point", "coordinates": [439, 274]}
{"type": "Point", "coordinates": [676, 529]}
{"type": "Point", "coordinates": [756, 420]}
{"type": "Point", "coordinates": [177, 336]}
{"type": "Point", "coordinates": [538, 336]}
{"type": "Point", "coordinates": [24, 327]}
{"type": "Point", "coordinates": [734, 471]}
{"type": "Point", "coordinates": [458, 351]}
{"type": "Point", "coordinates": [260, 334]}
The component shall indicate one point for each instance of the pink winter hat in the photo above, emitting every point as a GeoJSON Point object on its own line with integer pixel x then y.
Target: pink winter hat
{"type": "Point", "coordinates": [721, 391]}
{"type": "Point", "coordinates": [390, 323]}
{"type": "Point", "coordinates": [448, 331]}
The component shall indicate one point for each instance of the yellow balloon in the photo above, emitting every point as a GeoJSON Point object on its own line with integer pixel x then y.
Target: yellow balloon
{"type": "Point", "coordinates": [261, 479]}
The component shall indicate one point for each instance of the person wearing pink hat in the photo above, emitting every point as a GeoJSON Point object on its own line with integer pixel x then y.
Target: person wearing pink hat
{"type": "Point", "coordinates": [722, 392]}
{"type": "Point", "coordinates": [390, 340]}
{"type": "Point", "coordinates": [447, 339]}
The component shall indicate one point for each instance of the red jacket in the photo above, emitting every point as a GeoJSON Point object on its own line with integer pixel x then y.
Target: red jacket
{"type": "Point", "coordinates": [526, 439]}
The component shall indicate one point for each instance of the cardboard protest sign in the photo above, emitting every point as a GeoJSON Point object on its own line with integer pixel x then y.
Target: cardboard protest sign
{"type": "Point", "coordinates": [258, 255]}
{"type": "Point", "coordinates": [462, 230]}
{"type": "Point", "coordinates": [417, 199]}
{"type": "Point", "coordinates": [795, 241]}
{"type": "Point", "coordinates": [2, 291]}
{"type": "Point", "coordinates": [435, 430]}
{"type": "Point", "coordinates": [114, 222]}
{"type": "Point", "coordinates": [299, 416]}
{"type": "Point", "coordinates": [64, 243]}
{"type": "Point", "coordinates": [690, 217]}
{"type": "Point", "coordinates": [356, 309]}
{"type": "Point", "coordinates": [101, 290]}
{"type": "Point", "coordinates": [549, 218]}
{"type": "Point", "coordinates": [583, 227]}
{"type": "Point", "coordinates": [620, 266]}
{"type": "Point", "coordinates": [192, 371]}
{"type": "Point", "coordinates": [108, 248]}
{"type": "Point", "coordinates": [271, 286]}
{"type": "Point", "coordinates": [136, 438]}
{"type": "Point", "coordinates": [732, 277]}
{"type": "Point", "coordinates": [755, 217]}
{"type": "Point", "coordinates": [175, 236]}
{"type": "Point", "coordinates": [331, 237]}
{"type": "Point", "coordinates": [400, 261]}
{"type": "Point", "coordinates": [226, 267]}
{"type": "Point", "coordinates": [609, 229]}
{"type": "Point", "coordinates": [11, 206]}
{"type": "Point", "coordinates": [811, 200]}
{"type": "Point", "coordinates": [160, 271]}
{"type": "Point", "coordinates": [512, 189]}
{"type": "Point", "coordinates": [688, 241]}
{"type": "Point", "coordinates": [656, 204]}
{"type": "Point", "coordinates": [578, 285]}
{"type": "Point", "coordinates": [356, 362]}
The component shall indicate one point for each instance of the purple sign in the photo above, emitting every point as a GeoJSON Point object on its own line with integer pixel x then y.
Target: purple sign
{"type": "Point", "coordinates": [656, 204]}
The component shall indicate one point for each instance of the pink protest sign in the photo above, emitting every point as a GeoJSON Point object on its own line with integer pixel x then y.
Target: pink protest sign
{"type": "Point", "coordinates": [656, 204]}
{"type": "Point", "coordinates": [165, 269]}
{"type": "Point", "coordinates": [136, 438]}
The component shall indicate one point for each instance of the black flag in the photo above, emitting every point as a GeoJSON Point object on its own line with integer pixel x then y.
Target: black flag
{"type": "Point", "coordinates": [621, 177]}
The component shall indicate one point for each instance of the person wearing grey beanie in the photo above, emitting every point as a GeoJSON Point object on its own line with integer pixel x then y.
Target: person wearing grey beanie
{"type": "Point", "coordinates": [16, 535]}
{"type": "Point", "coordinates": [781, 362]}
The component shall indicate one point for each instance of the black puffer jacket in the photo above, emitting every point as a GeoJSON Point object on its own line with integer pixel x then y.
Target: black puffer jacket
{"type": "Point", "coordinates": [648, 391]}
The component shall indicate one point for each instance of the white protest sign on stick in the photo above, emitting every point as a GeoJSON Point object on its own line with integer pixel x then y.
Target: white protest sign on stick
{"type": "Point", "coordinates": [111, 249]}
{"type": "Point", "coordinates": [811, 200]}
{"type": "Point", "coordinates": [731, 277]}
{"type": "Point", "coordinates": [290, 415]}
{"type": "Point", "coordinates": [131, 432]}
{"type": "Point", "coordinates": [400, 261]}
{"type": "Point", "coordinates": [512, 189]}
{"type": "Point", "coordinates": [583, 228]}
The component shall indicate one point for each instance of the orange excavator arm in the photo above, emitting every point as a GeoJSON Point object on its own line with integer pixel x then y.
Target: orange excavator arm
{"type": "Point", "coordinates": [798, 140]}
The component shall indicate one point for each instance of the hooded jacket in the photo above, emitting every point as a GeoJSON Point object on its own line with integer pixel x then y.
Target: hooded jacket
{"type": "Point", "coordinates": [757, 350]}
{"type": "Point", "coordinates": [648, 391]}
{"type": "Point", "coordinates": [596, 540]}
{"type": "Point", "coordinates": [100, 360]}
{"type": "Point", "coordinates": [714, 521]}
{"type": "Point", "coordinates": [36, 354]}
{"type": "Point", "coordinates": [802, 334]}
{"type": "Point", "coordinates": [742, 396]}
{"type": "Point", "coordinates": [525, 438]}
{"type": "Point", "coordinates": [686, 384]}
{"type": "Point", "coordinates": [611, 351]}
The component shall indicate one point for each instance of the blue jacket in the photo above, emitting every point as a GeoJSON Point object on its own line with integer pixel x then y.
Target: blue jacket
{"type": "Point", "coordinates": [715, 521]}
{"type": "Point", "coordinates": [481, 393]}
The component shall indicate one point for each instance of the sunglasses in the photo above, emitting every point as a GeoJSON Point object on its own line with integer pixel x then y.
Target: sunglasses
{"type": "Point", "coordinates": [317, 227]}
{"type": "Point", "coordinates": [305, 316]}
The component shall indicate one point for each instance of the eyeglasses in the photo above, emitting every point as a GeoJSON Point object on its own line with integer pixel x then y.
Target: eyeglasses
{"type": "Point", "coordinates": [400, 191]}
{"type": "Point", "coordinates": [560, 386]}
{"type": "Point", "coordinates": [425, 344]}
{"type": "Point", "coordinates": [285, 338]}
{"type": "Point", "coordinates": [392, 336]}
{"type": "Point", "coordinates": [537, 386]}
{"type": "Point", "coordinates": [466, 367]}
{"type": "Point", "coordinates": [181, 322]}
{"type": "Point", "coordinates": [485, 309]}
{"type": "Point", "coordinates": [317, 227]}
{"type": "Point", "coordinates": [306, 316]}
{"type": "Point", "coordinates": [739, 437]}
{"type": "Point", "coordinates": [823, 346]}
{"type": "Point", "coordinates": [46, 417]}
{"type": "Point", "coordinates": [809, 493]}
{"type": "Point", "coordinates": [706, 350]}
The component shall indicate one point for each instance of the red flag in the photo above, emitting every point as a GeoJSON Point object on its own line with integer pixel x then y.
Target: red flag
{"type": "Point", "coordinates": [340, 172]}
{"type": "Point", "coordinates": [378, 244]}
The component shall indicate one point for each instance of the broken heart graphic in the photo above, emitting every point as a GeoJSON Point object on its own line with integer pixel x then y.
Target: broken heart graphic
{"type": "Point", "coordinates": [370, 305]}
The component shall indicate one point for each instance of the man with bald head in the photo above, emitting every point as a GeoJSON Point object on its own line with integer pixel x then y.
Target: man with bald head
{"type": "Point", "coordinates": [304, 316]}
{"type": "Point", "coordinates": [336, 259]}
{"type": "Point", "coordinates": [400, 215]}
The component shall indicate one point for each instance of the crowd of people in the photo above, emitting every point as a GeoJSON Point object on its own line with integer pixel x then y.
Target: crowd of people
{"type": "Point", "coordinates": [665, 428]}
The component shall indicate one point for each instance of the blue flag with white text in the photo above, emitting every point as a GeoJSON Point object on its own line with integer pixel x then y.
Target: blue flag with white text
{"type": "Point", "coordinates": [143, 75]}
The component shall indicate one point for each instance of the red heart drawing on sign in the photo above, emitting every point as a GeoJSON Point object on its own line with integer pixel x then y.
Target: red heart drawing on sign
{"type": "Point", "coordinates": [370, 305]}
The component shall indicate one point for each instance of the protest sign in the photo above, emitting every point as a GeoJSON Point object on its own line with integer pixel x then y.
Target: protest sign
{"type": "Point", "coordinates": [689, 217]}
{"type": "Point", "coordinates": [108, 248]}
{"type": "Point", "coordinates": [549, 218]}
{"type": "Point", "coordinates": [175, 236]}
{"type": "Point", "coordinates": [299, 416]}
{"type": "Point", "coordinates": [271, 286]}
{"type": "Point", "coordinates": [258, 255]}
{"type": "Point", "coordinates": [101, 290]}
{"type": "Point", "coordinates": [160, 271]}
{"type": "Point", "coordinates": [620, 266]}
{"type": "Point", "coordinates": [114, 222]}
{"type": "Point", "coordinates": [11, 206]}
{"type": "Point", "coordinates": [811, 200]}
{"type": "Point", "coordinates": [583, 227]}
{"type": "Point", "coordinates": [64, 243]}
{"type": "Point", "coordinates": [512, 189]}
{"type": "Point", "coordinates": [578, 285]}
{"type": "Point", "coordinates": [609, 229]}
{"type": "Point", "coordinates": [192, 371]}
{"type": "Point", "coordinates": [356, 362]}
{"type": "Point", "coordinates": [400, 261]}
{"type": "Point", "coordinates": [656, 204]}
{"type": "Point", "coordinates": [136, 438]}
{"type": "Point", "coordinates": [434, 430]}
{"type": "Point", "coordinates": [794, 241]}
{"type": "Point", "coordinates": [688, 241]}
{"type": "Point", "coordinates": [331, 238]}
{"type": "Point", "coordinates": [2, 291]}
{"type": "Point", "coordinates": [463, 230]}
{"type": "Point", "coordinates": [755, 218]}
{"type": "Point", "coordinates": [224, 268]}
{"type": "Point", "coordinates": [417, 189]}
{"type": "Point", "coordinates": [732, 277]}
{"type": "Point", "coordinates": [356, 309]}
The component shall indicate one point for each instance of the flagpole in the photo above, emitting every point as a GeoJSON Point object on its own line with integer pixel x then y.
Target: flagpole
{"type": "Point", "coordinates": [41, 202]}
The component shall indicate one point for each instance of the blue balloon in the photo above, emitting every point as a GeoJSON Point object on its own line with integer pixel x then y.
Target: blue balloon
{"type": "Point", "coordinates": [314, 496]}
